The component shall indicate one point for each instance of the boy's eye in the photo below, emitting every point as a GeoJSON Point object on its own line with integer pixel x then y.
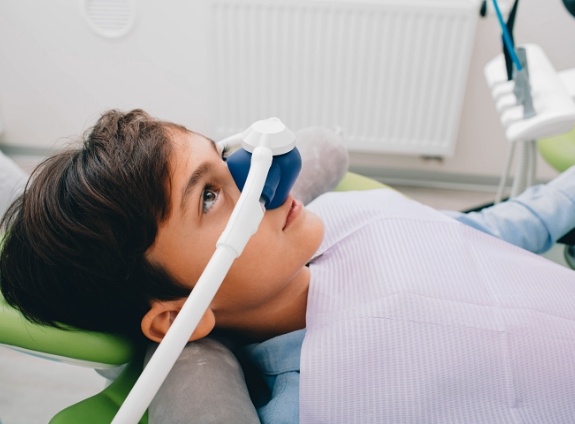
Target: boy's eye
{"type": "Point", "coordinates": [209, 197]}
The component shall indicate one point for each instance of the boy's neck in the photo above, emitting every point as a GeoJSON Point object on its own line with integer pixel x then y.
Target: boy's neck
{"type": "Point", "coordinates": [284, 315]}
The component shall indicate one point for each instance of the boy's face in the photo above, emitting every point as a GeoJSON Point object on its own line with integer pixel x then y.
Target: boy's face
{"type": "Point", "coordinates": [270, 272]}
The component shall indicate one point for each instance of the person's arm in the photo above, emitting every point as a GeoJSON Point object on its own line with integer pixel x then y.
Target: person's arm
{"type": "Point", "coordinates": [535, 219]}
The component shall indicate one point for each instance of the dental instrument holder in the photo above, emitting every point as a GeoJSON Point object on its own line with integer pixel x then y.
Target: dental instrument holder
{"type": "Point", "coordinates": [548, 97]}
{"type": "Point", "coordinates": [522, 88]}
{"type": "Point", "coordinates": [265, 139]}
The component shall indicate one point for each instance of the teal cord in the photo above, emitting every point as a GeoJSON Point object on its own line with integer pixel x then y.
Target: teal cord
{"type": "Point", "coordinates": [507, 38]}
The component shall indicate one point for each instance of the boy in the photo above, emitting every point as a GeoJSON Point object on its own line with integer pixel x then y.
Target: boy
{"type": "Point", "coordinates": [112, 237]}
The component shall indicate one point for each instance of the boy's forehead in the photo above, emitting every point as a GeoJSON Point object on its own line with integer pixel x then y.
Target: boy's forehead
{"type": "Point", "coordinates": [189, 150]}
{"type": "Point", "coordinates": [190, 139]}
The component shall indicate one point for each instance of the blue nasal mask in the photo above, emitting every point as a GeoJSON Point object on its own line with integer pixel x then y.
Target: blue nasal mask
{"type": "Point", "coordinates": [281, 176]}
{"type": "Point", "coordinates": [286, 163]}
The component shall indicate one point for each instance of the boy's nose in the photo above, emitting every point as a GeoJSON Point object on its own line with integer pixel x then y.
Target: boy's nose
{"type": "Point", "coordinates": [281, 177]}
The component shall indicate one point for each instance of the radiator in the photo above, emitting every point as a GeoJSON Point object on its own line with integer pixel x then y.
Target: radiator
{"type": "Point", "coordinates": [390, 74]}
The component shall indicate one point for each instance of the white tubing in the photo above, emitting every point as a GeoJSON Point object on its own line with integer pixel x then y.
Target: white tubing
{"type": "Point", "coordinates": [243, 223]}
{"type": "Point", "coordinates": [231, 141]}
{"type": "Point", "coordinates": [531, 170]}
{"type": "Point", "coordinates": [176, 338]}
{"type": "Point", "coordinates": [505, 175]}
{"type": "Point", "coordinates": [519, 181]}
{"type": "Point", "coordinates": [248, 212]}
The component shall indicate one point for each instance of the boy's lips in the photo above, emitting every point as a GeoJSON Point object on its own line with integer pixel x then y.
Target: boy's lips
{"type": "Point", "coordinates": [295, 209]}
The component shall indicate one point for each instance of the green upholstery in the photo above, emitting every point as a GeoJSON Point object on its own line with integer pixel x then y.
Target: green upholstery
{"type": "Point", "coordinates": [84, 346]}
{"type": "Point", "coordinates": [102, 408]}
{"type": "Point", "coordinates": [352, 181]}
{"type": "Point", "coordinates": [558, 151]}
{"type": "Point", "coordinates": [76, 346]}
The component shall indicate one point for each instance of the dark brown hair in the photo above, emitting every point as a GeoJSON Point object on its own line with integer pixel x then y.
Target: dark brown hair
{"type": "Point", "coordinates": [75, 240]}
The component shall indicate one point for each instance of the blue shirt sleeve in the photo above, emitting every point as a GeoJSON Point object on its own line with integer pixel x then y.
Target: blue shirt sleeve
{"type": "Point", "coordinates": [534, 220]}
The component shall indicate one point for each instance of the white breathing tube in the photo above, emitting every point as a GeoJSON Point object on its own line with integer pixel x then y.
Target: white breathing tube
{"type": "Point", "coordinates": [264, 139]}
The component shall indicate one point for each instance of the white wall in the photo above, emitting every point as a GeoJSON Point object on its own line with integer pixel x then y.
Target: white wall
{"type": "Point", "coordinates": [482, 147]}
{"type": "Point", "coordinates": [57, 75]}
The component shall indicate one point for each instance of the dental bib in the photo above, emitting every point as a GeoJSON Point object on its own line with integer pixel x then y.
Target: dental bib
{"type": "Point", "coordinates": [402, 328]}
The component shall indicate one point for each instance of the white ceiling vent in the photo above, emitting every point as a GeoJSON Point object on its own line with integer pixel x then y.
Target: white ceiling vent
{"type": "Point", "coordinates": [109, 18]}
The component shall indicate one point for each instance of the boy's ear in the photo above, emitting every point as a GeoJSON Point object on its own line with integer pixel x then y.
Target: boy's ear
{"type": "Point", "coordinates": [159, 318]}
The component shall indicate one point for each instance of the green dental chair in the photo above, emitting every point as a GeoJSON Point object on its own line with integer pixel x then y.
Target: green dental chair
{"type": "Point", "coordinates": [559, 152]}
{"type": "Point", "coordinates": [98, 350]}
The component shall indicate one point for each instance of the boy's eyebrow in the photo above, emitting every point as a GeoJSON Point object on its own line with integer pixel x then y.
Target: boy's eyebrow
{"type": "Point", "coordinates": [195, 178]}
{"type": "Point", "coordinates": [199, 172]}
